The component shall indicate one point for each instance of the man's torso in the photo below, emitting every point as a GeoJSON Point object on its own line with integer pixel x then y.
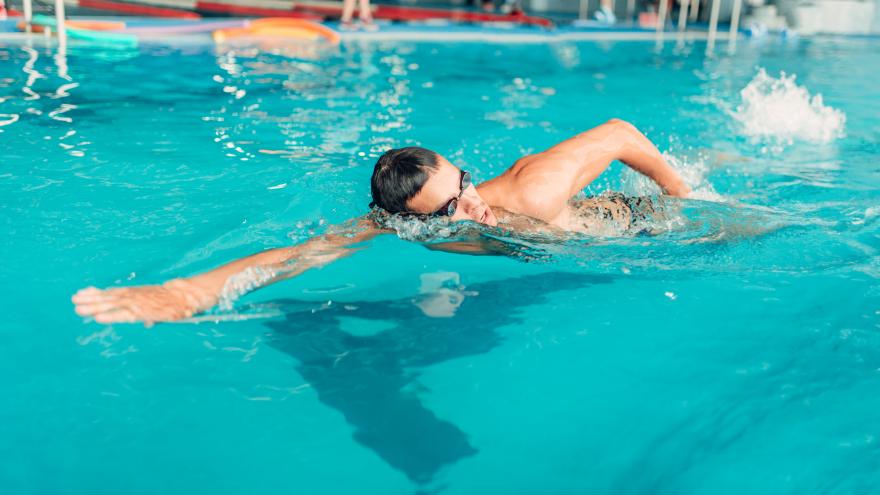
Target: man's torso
{"type": "Point", "coordinates": [549, 186]}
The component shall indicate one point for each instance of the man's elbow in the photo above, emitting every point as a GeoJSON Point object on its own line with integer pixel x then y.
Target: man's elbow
{"type": "Point", "coordinates": [624, 135]}
{"type": "Point", "coordinates": [621, 125]}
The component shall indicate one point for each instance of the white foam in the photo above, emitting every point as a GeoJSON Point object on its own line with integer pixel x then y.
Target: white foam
{"type": "Point", "coordinates": [418, 229]}
{"type": "Point", "coordinates": [779, 109]}
{"type": "Point", "coordinates": [243, 282]}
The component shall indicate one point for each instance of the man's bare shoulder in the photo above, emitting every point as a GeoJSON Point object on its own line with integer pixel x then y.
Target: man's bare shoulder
{"type": "Point", "coordinates": [536, 185]}
{"type": "Point", "coordinates": [530, 169]}
{"type": "Point", "coordinates": [540, 163]}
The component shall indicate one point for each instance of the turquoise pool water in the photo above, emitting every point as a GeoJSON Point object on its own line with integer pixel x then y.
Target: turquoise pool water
{"type": "Point", "coordinates": [736, 351]}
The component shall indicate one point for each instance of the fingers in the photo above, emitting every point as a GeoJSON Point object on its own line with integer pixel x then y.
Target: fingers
{"type": "Point", "coordinates": [93, 308]}
{"type": "Point", "coordinates": [147, 303]}
{"type": "Point", "coordinates": [105, 306]}
{"type": "Point", "coordinates": [116, 315]}
{"type": "Point", "coordinates": [107, 312]}
{"type": "Point", "coordinates": [92, 294]}
{"type": "Point", "coordinates": [85, 295]}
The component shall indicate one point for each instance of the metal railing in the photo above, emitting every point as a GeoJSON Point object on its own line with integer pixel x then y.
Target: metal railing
{"type": "Point", "coordinates": [688, 10]}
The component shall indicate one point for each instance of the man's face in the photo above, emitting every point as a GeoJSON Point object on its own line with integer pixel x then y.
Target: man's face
{"type": "Point", "coordinates": [445, 184]}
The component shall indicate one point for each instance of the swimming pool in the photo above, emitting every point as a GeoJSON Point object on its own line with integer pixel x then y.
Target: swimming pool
{"type": "Point", "coordinates": [735, 352]}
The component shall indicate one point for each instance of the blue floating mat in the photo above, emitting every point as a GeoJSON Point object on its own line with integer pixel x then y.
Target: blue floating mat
{"type": "Point", "coordinates": [122, 40]}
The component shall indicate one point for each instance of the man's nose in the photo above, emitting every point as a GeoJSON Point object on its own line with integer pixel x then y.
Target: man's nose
{"type": "Point", "coordinates": [470, 199]}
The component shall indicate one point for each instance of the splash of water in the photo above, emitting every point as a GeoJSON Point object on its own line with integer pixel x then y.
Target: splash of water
{"type": "Point", "coordinates": [246, 281]}
{"type": "Point", "coordinates": [412, 228]}
{"type": "Point", "coordinates": [694, 171]}
{"type": "Point", "coordinates": [779, 110]}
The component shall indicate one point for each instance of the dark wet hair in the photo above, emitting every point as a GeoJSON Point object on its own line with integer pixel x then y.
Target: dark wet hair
{"type": "Point", "coordinates": [399, 175]}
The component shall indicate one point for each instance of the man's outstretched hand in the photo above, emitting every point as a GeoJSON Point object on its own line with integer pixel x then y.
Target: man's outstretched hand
{"type": "Point", "coordinates": [174, 300]}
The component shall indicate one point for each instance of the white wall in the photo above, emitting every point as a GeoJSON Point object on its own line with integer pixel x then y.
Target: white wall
{"type": "Point", "coordinates": [836, 16]}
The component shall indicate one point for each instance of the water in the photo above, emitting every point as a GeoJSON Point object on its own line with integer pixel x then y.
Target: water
{"type": "Point", "coordinates": [736, 351]}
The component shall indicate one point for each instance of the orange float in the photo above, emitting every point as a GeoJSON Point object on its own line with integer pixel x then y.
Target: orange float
{"type": "Point", "coordinates": [97, 25]}
{"type": "Point", "coordinates": [279, 27]}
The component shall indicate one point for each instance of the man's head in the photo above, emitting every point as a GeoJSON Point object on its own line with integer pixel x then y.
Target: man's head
{"type": "Point", "coordinates": [417, 180]}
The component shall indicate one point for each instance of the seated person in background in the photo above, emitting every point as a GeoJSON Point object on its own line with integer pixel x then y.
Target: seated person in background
{"type": "Point", "coordinates": [536, 190]}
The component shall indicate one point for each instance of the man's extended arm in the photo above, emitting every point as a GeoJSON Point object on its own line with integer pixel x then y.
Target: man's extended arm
{"type": "Point", "coordinates": [183, 297]}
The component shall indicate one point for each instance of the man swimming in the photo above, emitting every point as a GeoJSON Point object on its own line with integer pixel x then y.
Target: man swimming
{"type": "Point", "coordinates": [417, 182]}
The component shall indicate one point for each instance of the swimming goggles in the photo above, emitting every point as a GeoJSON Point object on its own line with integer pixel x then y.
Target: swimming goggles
{"type": "Point", "coordinates": [448, 209]}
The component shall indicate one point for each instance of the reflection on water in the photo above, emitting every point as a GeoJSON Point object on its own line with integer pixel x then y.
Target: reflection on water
{"type": "Point", "coordinates": [42, 95]}
{"type": "Point", "coordinates": [323, 102]}
{"type": "Point", "coordinates": [370, 379]}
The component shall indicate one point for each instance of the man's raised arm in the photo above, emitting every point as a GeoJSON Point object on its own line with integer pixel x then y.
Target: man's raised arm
{"type": "Point", "coordinates": [183, 297]}
{"type": "Point", "coordinates": [544, 182]}
{"type": "Point", "coordinates": [620, 140]}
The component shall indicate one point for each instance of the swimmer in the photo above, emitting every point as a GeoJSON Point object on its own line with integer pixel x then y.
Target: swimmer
{"type": "Point", "coordinates": [536, 190]}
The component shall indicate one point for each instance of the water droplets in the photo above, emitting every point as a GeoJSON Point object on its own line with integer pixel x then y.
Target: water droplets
{"type": "Point", "coordinates": [780, 111]}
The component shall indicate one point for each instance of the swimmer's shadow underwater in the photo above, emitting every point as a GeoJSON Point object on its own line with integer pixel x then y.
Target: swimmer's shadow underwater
{"type": "Point", "coordinates": [372, 380]}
